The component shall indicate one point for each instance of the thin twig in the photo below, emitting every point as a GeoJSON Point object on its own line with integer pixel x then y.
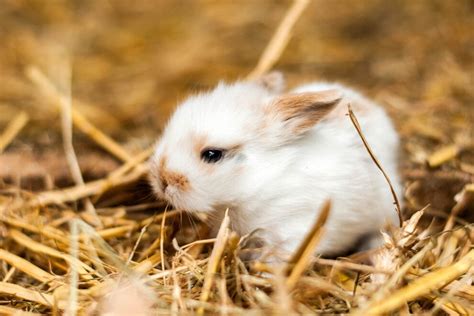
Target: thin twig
{"type": "Point", "coordinates": [9, 274]}
{"type": "Point", "coordinates": [215, 257]}
{"type": "Point", "coordinates": [27, 294]}
{"type": "Point", "coordinates": [27, 267]}
{"type": "Point", "coordinates": [74, 274]}
{"type": "Point", "coordinates": [65, 103]}
{"type": "Point", "coordinates": [89, 189]}
{"type": "Point", "coordinates": [356, 124]}
{"type": "Point", "coordinates": [280, 39]}
{"type": "Point", "coordinates": [162, 237]}
{"type": "Point", "coordinates": [302, 256]}
{"type": "Point", "coordinates": [5, 310]}
{"type": "Point", "coordinates": [421, 286]}
{"type": "Point", "coordinates": [50, 91]}
{"type": "Point", "coordinates": [347, 265]}
{"type": "Point", "coordinates": [12, 130]}
{"type": "Point", "coordinates": [84, 270]}
{"type": "Point", "coordinates": [134, 249]}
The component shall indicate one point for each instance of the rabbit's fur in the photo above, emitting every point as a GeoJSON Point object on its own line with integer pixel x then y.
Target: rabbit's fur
{"type": "Point", "coordinates": [285, 154]}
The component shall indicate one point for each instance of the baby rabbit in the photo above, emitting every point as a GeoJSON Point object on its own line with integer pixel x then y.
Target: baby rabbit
{"type": "Point", "coordinates": [274, 158]}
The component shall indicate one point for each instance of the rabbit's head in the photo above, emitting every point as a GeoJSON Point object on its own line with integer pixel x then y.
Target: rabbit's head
{"type": "Point", "coordinates": [218, 146]}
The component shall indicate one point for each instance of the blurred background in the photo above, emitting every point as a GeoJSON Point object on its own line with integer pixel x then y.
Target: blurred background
{"type": "Point", "coordinates": [132, 61]}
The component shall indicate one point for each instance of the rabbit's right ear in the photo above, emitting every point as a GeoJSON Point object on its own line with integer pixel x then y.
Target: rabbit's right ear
{"type": "Point", "coordinates": [297, 113]}
{"type": "Point", "coordinates": [273, 81]}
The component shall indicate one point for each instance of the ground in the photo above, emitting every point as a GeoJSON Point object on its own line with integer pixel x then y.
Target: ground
{"type": "Point", "coordinates": [132, 63]}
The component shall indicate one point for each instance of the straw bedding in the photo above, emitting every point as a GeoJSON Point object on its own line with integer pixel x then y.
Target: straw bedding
{"type": "Point", "coordinates": [86, 88]}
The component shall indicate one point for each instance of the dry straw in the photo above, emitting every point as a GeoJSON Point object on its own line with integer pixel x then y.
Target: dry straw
{"type": "Point", "coordinates": [12, 130]}
{"type": "Point", "coordinates": [143, 251]}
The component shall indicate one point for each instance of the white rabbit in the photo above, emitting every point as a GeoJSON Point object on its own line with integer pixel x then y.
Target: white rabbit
{"type": "Point", "coordinates": [273, 159]}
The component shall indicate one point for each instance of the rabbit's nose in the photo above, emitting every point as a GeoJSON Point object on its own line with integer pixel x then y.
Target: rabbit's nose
{"type": "Point", "coordinates": [175, 179]}
{"type": "Point", "coordinates": [172, 178]}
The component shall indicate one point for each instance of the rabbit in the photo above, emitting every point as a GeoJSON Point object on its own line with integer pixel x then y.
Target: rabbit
{"type": "Point", "coordinates": [274, 158]}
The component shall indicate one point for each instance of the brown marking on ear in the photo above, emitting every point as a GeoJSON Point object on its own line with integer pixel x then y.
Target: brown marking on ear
{"type": "Point", "coordinates": [304, 110]}
{"type": "Point", "coordinates": [173, 178]}
{"type": "Point", "coordinates": [359, 106]}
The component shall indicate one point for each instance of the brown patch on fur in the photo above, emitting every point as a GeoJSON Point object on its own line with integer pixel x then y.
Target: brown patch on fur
{"type": "Point", "coordinates": [200, 143]}
{"type": "Point", "coordinates": [173, 178]}
{"type": "Point", "coordinates": [234, 149]}
{"type": "Point", "coordinates": [360, 106]}
{"type": "Point", "coordinates": [304, 110]}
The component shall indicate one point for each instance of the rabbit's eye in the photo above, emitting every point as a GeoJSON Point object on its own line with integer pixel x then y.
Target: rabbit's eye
{"type": "Point", "coordinates": [212, 155]}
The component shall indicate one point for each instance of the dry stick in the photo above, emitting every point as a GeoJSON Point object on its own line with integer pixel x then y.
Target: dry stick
{"type": "Point", "coordinates": [65, 104]}
{"type": "Point", "coordinates": [89, 189]}
{"type": "Point", "coordinates": [355, 122]}
{"type": "Point", "coordinates": [113, 232]}
{"type": "Point", "coordinates": [37, 247]}
{"type": "Point", "coordinates": [9, 274]}
{"type": "Point", "coordinates": [101, 246]}
{"type": "Point", "coordinates": [71, 309]}
{"type": "Point", "coordinates": [146, 265]}
{"type": "Point", "coordinates": [136, 161]}
{"type": "Point", "coordinates": [153, 246]}
{"type": "Point", "coordinates": [27, 267]}
{"type": "Point", "coordinates": [282, 303]}
{"type": "Point", "coordinates": [27, 294]}
{"type": "Point", "coordinates": [464, 197]}
{"type": "Point", "coordinates": [302, 256]}
{"type": "Point", "coordinates": [48, 232]}
{"type": "Point", "coordinates": [176, 293]}
{"type": "Point", "coordinates": [49, 90]}
{"type": "Point", "coordinates": [450, 307]}
{"type": "Point", "coordinates": [159, 217]}
{"type": "Point", "coordinates": [223, 291]}
{"type": "Point", "coordinates": [162, 274]}
{"type": "Point", "coordinates": [199, 242]}
{"type": "Point", "coordinates": [89, 247]}
{"type": "Point", "coordinates": [182, 255]}
{"type": "Point", "coordinates": [216, 254]}
{"type": "Point", "coordinates": [5, 310]}
{"type": "Point", "coordinates": [279, 40]}
{"type": "Point", "coordinates": [339, 264]}
{"type": "Point", "coordinates": [444, 302]}
{"type": "Point", "coordinates": [443, 155]}
{"type": "Point", "coordinates": [12, 129]}
{"type": "Point", "coordinates": [97, 187]}
{"type": "Point", "coordinates": [162, 241]}
{"type": "Point", "coordinates": [134, 249]}
{"type": "Point", "coordinates": [434, 280]}
{"type": "Point", "coordinates": [400, 272]}
{"type": "Point", "coordinates": [319, 282]}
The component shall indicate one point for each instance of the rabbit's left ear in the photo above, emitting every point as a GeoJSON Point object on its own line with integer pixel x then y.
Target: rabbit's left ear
{"type": "Point", "coordinates": [273, 81]}
{"type": "Point", "coordinates": [299, 112]}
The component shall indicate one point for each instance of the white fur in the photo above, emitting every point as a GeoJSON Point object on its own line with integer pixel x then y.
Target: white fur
{"type": "Point", "coordinates": [277, 186]}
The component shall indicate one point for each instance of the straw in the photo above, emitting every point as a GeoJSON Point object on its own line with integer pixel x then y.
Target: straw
{"type": "Point", "coordinates": [12, 130]}
{"type": "Point", "coordinates": [280, 39]}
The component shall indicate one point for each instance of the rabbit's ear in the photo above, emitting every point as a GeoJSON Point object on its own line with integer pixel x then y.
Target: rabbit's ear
{"type": "Point", "coordinates": [273, 81]}
{"type": "Point", "coordinates": [299, 112]}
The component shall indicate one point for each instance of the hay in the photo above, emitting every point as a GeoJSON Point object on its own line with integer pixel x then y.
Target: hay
{"type": "Point", "coordinates": [56, 258]}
